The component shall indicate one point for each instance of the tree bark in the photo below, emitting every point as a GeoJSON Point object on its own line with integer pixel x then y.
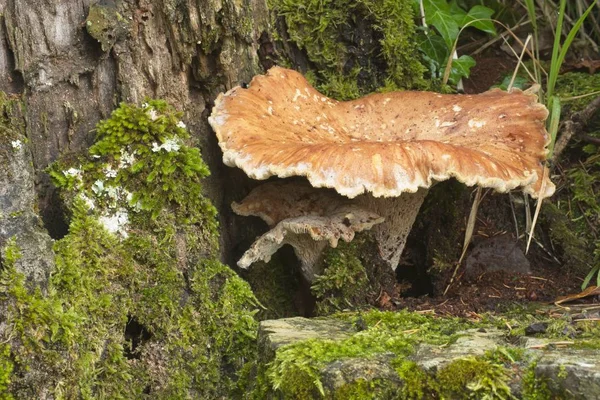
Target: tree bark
{"type": "Point", "coordinates": [73, 61]}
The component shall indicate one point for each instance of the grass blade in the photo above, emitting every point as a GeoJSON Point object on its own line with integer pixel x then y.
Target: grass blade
{"type": "Point", "coordinates": [555, 110]}
{"type": "Point", "coordinates": [558, 57]}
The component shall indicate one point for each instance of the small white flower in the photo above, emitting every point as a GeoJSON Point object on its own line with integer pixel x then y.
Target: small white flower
{"type": "Point", "coordinates": [109, 172]}
{"type": "Point", "coordinates": [126, 158]}
{"type": "Point", "coordinates": [153, 114]}
{"type": "Point", "coordinates": [116, 223]}
{"type": "Point", "coordinates": [98, 187]}
{"type": "Point", "coordinates": [88, 202]}
{"type": "Point", "coordinates": [96, 156]}
{"type": "Point", "coordinates": [181, 125]}
{"type": "Point", "coordinates": [72, 172]}
{"type": "Point", "coordinates": [16, 144]}
{"type": "Point", "coordinates": [145, 105]}
{"type": "Point", "coordinates": [169, 145]}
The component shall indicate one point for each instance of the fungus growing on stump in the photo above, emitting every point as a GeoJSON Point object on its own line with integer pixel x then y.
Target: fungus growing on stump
{"type": "Point", "coordinates": [304, 217]}
{"type": "Point", "coordinates": [381, 152]}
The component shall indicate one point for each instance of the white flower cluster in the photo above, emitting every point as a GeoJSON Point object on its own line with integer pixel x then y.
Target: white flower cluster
{"type": "Point", "coordinates": [169, 145]}
{"type": "Point", "coordinates": [116, 222]}
{"type": "Point", "coordinates": [73, 172]}
{"type": "Point", "coordinates": [127, 159]}
{"type": "Point", "coordinates": [16, 144]}
{"type": "Point", "coordinates": [115, 219]}
{"type": "Point", "coordinates": [151, 111]}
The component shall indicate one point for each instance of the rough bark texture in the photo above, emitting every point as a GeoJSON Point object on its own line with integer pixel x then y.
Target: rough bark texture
{"type": "Point", "coordinates": [74, 61]}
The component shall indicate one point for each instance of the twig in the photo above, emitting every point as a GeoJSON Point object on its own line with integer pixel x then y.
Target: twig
{"type": "Point", "coordinates": [519, 62]}
{"type": "Point", "coordinates": [502, 36]}
{"type": "Point", "coordinates": [590, 139]}
{"type": "Point", "coordinates": [576, 123]}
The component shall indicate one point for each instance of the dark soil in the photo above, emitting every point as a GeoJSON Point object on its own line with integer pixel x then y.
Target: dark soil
{"type": "Point", "coordinates": [489, 70]}
{"type": "Point", "coordinates": [492, 291]}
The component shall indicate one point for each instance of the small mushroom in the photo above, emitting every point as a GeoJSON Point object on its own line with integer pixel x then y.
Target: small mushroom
{"type": "Point", "coordinates": [384, 150]}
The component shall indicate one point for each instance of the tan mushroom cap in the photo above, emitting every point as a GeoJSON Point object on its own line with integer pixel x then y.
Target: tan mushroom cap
{"type": "Point", "coordinates": [385, 143]}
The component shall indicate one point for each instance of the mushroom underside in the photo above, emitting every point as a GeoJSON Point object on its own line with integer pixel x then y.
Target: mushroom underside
{"type": "Point", "coordinates": [322, 217]}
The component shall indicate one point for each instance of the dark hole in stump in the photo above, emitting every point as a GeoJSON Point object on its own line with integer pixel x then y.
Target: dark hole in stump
{"type": "Point", "coordinates": [53, 215]}
{"type": "Point", "coordinates": [137, 334]}
{"type": "Point", "coordinates": [417, 276]}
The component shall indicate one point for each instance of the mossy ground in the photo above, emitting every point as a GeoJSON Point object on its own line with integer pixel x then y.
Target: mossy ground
{"type": "Point", "coordinates": [138, 305]}
{"type": "Point", "coordinates": [296, 371]}
{"type": "Point", "coordinates": [353, 47]}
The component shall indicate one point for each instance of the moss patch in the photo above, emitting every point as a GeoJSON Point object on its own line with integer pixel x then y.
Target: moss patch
{"type": "Point", "coordinates": [138, 304]}
{"type": "Point", "coordinates": [106, 25]}
{"type": "Point", "coordinates": [573, 220]}
{"type": "Point", "coordinates": [354, 47]}
{"type": "Point", "coordinates": [277, 293]}
{"type": "Point", "coordinates": [295, 372]}
{"type": "Point", "coordinates": [353, 276]}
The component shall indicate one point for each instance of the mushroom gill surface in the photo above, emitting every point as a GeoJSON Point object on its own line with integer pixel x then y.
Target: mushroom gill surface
{"type": "Point", "coordinates": [386, 143]}
{"type": "Point", "coordinates": [309, 221]}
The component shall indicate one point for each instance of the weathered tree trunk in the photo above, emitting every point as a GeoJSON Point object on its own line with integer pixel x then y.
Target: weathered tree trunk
{"type": "Point", "coordinates": [64, 66]}
{"type": "Point", "coordinates": [73, 61]}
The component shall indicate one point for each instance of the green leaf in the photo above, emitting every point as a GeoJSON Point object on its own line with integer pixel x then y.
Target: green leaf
{"type": "Point", "coordinates": [458, 14]}
{"type": "Point", "coordinates": [445, 25]}
{"type": "Point", "coordinates": [519, 83]}
{"type": "Point", "coordinates": [589, 276]}
{"type": "Point", "coordinates": [434, 48]}
{"type": "Point", "coordinates": [482, 17]}
{"type": "Point", "coordinates": [461, 68]}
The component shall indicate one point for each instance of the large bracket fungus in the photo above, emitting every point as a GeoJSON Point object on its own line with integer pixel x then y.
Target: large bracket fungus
{"type": "Point", "coordinates": [383, 151]}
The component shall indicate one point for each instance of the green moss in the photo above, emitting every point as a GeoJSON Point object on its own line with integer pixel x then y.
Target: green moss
{"type": "Point", "coordinates": [12, 124]}
{"type": "Point", "coordinates": [344, 283]}
{"type": "Point", "coordinates": [364, 390]}
{"type": "Point", "coordinates": [355, 46]}
{"type": "Point", "coordinates": [6, 370]}
{"type": "Point", "coordinates": [473, 377]}
{"type": "Point", "coordinates": [353, 277]}
{"type": "Point", "coordinates": [295, 372]}
{"type": "Point", "coordinates": [535, 388]}
{"type": "Point", "coordinates": [277, 294]}
{"type": "Point", "coordinates": [573, 84]}
{"type": "Point", "coordinates": [138, 304]}
{"type": "Point", "coordinates": [106, 25]}
{"type": "Point", "coordinates": [417, 384]}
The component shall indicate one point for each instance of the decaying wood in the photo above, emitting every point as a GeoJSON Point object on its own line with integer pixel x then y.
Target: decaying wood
{"type": "Point", "coordinates": [575, 126]}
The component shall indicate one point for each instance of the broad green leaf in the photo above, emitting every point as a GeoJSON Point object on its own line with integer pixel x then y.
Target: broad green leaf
{"type": "Point", "coordinates": [445, 25]}
{"type": "Point", "coordinates": [434, 48]}
{"type": "Point", "coordinates": [458, 14]}
{"type": "Point", "coordinates": [482, 17]}
{"type": "Point", "coordinates": [461, 68]}
{"type": "Point", "coordinates": [432, 6]}
{"type": "Point", "coordinates": [519, 83]}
